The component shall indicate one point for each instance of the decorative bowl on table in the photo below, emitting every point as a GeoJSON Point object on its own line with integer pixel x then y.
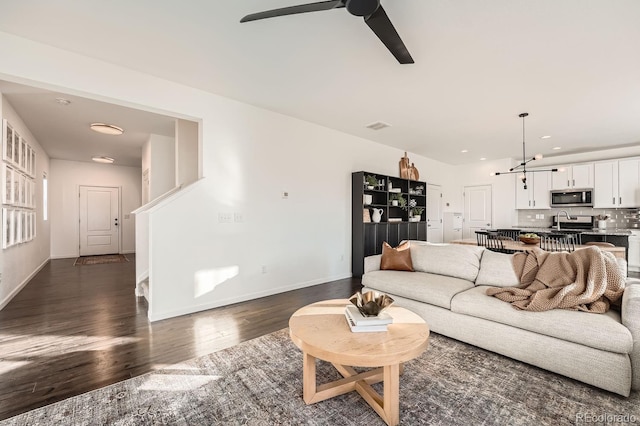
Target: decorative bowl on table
{"type": "Point", "coordinates": [530, 238]}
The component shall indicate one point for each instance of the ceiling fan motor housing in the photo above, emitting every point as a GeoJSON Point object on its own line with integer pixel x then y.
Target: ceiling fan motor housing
{"type": "Point", "coordinates": [362, 7]}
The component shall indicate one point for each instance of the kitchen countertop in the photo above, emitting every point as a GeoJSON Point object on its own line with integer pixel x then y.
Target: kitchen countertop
{"type": "Point", "coordinates": [593, 231]}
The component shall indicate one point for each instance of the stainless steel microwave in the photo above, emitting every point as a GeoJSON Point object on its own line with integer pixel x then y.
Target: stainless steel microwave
{"type": "Point", "coordinates": [572, 198]}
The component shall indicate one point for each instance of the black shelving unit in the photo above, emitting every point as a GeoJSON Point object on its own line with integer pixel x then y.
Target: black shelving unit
{"type": "Point", "coordinates": [395, 224]}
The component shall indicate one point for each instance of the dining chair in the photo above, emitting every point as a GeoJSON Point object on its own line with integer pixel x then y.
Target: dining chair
{"type": "Point", "coordinates": [511, 233]}
{"type": "Point", "coordinates": [599, 243]}
{"type": "Point", "coordinates": [559, 242]}
{"type": "Point", "coordinates": [493, 241]}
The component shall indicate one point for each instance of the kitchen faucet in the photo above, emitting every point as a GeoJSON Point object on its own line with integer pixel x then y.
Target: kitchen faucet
{"type": "Point", "coordinates": [558, 218]}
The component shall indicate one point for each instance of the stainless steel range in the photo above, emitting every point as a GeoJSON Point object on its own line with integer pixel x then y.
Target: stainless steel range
{"type": "Point", "coordinates": [576, 222]}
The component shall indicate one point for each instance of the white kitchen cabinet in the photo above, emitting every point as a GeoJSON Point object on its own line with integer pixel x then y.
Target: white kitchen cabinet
{"type": "Point", "coordinates": [537, 195]}
{"type": "Point", "coordinates": [573, 176]}
{"type": "Point", "coordinates": [617, 183]}
{"type": "Point", "coordinates": [605, 189]}
{"type": "Point", "coordinates": [629, 183]}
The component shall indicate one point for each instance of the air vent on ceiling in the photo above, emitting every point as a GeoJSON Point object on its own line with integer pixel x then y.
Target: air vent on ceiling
{"type": "Point", "coordinates": [377, 125]}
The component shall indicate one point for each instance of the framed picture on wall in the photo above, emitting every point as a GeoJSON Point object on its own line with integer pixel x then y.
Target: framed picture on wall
{"type": "Point", "coordinates": [23, 154]}
{"type": "Point", "coordinates": [32, 162]}
{"type": "Point", "coordinates": [23, 227]}
{"type": "Point", "coordinates": [7, 184]}
{"type": "Point", "coordinates": [27, 192]}
{"type": "Point", "coordinates": [33, 194]}
{"type": "Point", "coordinates": [7, 141]}
{"type": "Point", "coordinates": [16, 148]}
{"type": "Point", "coordinates": [7, 231]}
{"type": "Point", "coordinates": [33, 225]}
{"type": "Point", "coordinates": [15, 227]}
{"type": "Point", "coordinates": [23, 185]}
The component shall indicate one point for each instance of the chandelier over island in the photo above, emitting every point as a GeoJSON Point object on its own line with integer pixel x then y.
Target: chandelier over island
{"type": "Point", "coordinates": [522, 167]}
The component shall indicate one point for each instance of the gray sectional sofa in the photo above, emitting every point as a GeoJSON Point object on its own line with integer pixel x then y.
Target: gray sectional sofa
{"type": "Point", "coordinates": [448, 287]}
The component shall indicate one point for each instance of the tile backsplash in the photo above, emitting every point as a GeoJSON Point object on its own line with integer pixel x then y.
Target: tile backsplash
{"type": "Point", "coordinates": [618, 218]}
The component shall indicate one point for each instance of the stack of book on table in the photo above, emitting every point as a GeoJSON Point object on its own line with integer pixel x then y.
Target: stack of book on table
{"type": "Point", "coordinates": [362, 324]}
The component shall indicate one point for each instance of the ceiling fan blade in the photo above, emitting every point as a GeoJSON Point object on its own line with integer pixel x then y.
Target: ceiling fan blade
{"type": "Point", "coordinates": [291, 10]}
{"type": "Point", "coordinates": [379, 22]}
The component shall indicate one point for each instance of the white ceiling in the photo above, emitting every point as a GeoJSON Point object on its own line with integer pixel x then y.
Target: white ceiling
{"type": "Point", "coordinates": [574, 65]}
{"type": "Point", "coordinates": [64, 133]}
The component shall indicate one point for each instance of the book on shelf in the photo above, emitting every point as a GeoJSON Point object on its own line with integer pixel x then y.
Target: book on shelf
{"type": "Point", "coordinates": [360, 323]}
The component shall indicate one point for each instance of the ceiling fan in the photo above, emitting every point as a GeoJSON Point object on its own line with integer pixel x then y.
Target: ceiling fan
{"type": "Point", "coordinates": [371, 10]}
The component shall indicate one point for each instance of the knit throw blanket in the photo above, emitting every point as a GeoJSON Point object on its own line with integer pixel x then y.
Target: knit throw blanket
{"type": "Point", "coordinates": [587, 280]}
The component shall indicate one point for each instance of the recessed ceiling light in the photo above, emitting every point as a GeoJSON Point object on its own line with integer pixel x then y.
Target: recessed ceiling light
{"type": "Point", "coordinates": [556, 148]}
{"type": "Point", "coordinates": [545, 137]}
{"type": "Point", "coordinates": [483, 158]}
{"type": "Point", "coordinates": [107, 129]}
{"type": "Point", "coordinates": [105, 160]}
{"type": "Point", "coordinates": [464, 150]}
{"type": "Point", "coordinates": [63, 101]}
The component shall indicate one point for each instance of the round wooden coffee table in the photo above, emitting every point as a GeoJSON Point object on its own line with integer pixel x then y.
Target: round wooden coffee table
{"type": "Point", "coordinates": [321, 331]}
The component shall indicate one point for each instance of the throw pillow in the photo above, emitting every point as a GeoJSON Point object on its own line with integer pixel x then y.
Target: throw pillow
{"type": "Point", "coordinates": [397, 259]}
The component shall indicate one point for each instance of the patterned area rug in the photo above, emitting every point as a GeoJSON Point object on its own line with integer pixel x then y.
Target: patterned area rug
{"type": "Point", "coordinates": [99, 260]}
{"type": "Point", "coordinates": [259, 382]}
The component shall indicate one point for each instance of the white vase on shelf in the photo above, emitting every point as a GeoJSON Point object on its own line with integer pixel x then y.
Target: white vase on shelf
{"type": "Point", "coordinates": [377, 215]}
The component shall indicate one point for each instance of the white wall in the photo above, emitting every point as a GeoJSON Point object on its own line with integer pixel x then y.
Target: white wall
{"type": "Point", "coordinates": [187, 159]}
{"type": "Point", "coordinates": [160, 158]}
{"type": "Point", "coordinates": [64, 186]}
{"type": "Point", "coordinates": [249, 156]}
{"type": "Point", "coordinates": [21, 262]}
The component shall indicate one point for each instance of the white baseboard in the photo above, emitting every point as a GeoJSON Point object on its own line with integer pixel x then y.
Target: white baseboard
{"type": "Point", "coordinates": [63, 256]}
{"type": "Point", "coordinates": [16, 290]}
{"type": "Point", "coordinates": [128, 252]}
{"type": "Point", "coordinates": [231, 300]}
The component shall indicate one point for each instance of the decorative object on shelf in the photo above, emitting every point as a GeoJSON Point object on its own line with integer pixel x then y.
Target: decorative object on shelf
{"type": "Point", "coordinates": [414, 210]}
{"type": "Point", "coordinates": [397, 200]}
{"type": "Point", "coordinates": [417, 190]}
{"type": "Point", "coordinates": [367, 199]}
{"type": "Point", "coordinates": [377, 215]}
{"type": "Point", "coordinates": [366, 216]}
{"type": "Point", "coordinates": [404, 166]}
{"type": "Point", "coordinates": [371, 303]}
{"type": "Point", "coordinates": [516, 169]}
{"type": "Point", "coordinates": [394, 219]}
{"type": "Point", "coordinates": [371, 182]}
{"type": "Point", "coordinates": [408, 169]}
{"type": "Point", "coordinates": [413, 172]}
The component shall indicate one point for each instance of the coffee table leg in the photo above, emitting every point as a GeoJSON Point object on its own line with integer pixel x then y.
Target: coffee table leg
{"type": "Point", "coordinates": [391, 394]}
{"type": "Point", "coordinates": [308, 377]}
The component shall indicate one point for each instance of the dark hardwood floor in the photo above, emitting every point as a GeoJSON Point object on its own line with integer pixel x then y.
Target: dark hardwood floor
{"type": "Point", "coordinates": [73, 329]}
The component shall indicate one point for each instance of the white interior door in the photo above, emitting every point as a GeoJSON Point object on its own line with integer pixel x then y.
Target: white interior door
{"type": "Point", "coordinates": [99, 220]}
{"type": "Point", "coordinates": [477, 209]}
{"type": "Point", "coordinates": [434, 213]}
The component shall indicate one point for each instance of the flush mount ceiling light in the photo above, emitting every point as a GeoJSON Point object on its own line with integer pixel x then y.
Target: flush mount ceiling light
{"type": "Point", "coordinates": [523, 171]}
{"type": "Point", "coordinates": [107, 129]}
{"type": "Point", "coordinates": [105, 160]}
{"type": "Point", "coordinates": [63, 101]}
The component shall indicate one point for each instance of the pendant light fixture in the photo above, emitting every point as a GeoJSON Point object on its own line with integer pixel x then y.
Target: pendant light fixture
{"type": "Point", "coordinates": [522, 167]}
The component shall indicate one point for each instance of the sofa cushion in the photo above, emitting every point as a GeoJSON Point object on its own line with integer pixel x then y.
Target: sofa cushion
{"type": "Point", "coordinates": [397, 259]}
{"type": "Point", "coordinates": [454, 260]}
{"type": "Point", "coordinates": [573, 326]}
{"type": "Point", "coordinates": [429, 288]}
{"type": "Point", "coordinates": [496, 269]}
